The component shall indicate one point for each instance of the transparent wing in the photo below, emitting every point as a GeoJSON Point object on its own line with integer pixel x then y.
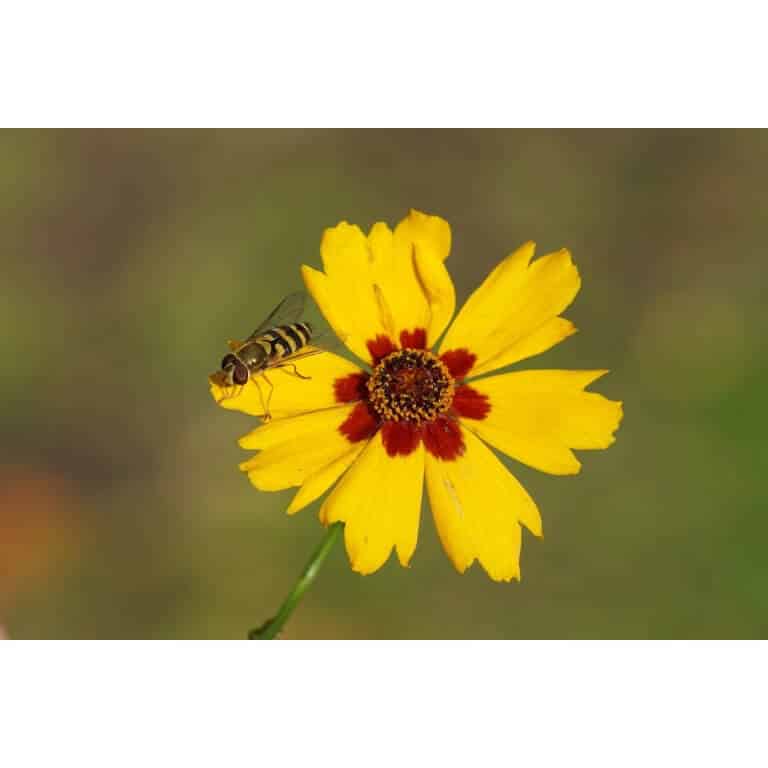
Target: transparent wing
{"type": "Point", "coordinates": [327, 341]}
{"type": "Point", "coordinates": [289, 310]}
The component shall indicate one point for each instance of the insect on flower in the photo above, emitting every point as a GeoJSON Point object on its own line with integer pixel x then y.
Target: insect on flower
{"type": "Point", "coordinates": [430, 402]}
{"type": "Point", "coordinates": [278, 343]}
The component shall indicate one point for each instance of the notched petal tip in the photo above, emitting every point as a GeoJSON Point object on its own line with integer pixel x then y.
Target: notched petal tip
{"type": "Point", "coordinates": [380, 230]}
{"type": "Point", "coordinates": [561, 259]}
{"type": "Point", "coordinates": [428, 230]}
{"type": "Point", "coordinates": [460, 568]}
{"type": "Point", "coordinates": [522, 255]}
{"type": "Point", "coordinates": [570, 466]}
{"type": "Point", "coordinates": [341, 231]}
{"type": "Point", "coordinates": [619, 416]}
{"type": "Point", "coordinates": [343, 247]}
{"type": "Point", "coordinates": [503, 574]}
{"type": "Point", "coordinates": [460, 559]}
{"type": "Point", "coordinates": [615, 411]}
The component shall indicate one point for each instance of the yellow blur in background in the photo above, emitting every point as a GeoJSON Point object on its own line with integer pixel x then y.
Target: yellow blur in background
{"type": "Point", "coordinates": [129, 257]}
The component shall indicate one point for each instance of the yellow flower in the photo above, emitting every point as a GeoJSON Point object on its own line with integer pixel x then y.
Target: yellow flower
{"type": "Point", "coordinates": [415, 414]}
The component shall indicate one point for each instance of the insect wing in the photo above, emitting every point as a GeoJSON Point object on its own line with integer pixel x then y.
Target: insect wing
{"type": "Point", "coordinates": [327, 341]}
{"type": "Point", "coordinates": [289, 310]}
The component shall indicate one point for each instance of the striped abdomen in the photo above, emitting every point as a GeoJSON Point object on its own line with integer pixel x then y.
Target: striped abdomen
{"type": "Point", "coordinates": [279, 342]}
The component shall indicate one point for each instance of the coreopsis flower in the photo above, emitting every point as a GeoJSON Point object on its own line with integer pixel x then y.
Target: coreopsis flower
{"type": "Point", "coordinates": [412, 415]}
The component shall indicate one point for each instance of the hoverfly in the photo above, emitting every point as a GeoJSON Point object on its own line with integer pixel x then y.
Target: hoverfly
{"type": "Point", "coordinates": [281, 340]}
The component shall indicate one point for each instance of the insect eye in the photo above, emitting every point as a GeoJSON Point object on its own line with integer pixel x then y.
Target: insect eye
{"type": "Point", "coordinates": [240, 374]}
{"type": "Point", "coordinates": [228, 361]}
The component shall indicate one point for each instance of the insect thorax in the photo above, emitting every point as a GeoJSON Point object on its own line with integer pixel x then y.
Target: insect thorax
{"type": "Point", "coordinates": [255, 354]}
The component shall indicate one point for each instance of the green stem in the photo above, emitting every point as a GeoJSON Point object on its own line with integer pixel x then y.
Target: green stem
{"type": "Point", "coordinates": [270, 629]}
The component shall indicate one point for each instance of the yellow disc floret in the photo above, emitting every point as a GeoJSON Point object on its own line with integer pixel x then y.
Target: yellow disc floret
{"type": "Point", "coordinates": [410, 385]}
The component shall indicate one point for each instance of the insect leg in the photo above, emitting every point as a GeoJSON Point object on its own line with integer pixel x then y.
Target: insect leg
{"type": "Point", "coordinates": [267, 416]}
{"type": "Point", "coordinates": [261, 397]}
{"type": "Point", "coordinates": [295, 370]}
{"type": "Point", "coordinates": [229, 393]}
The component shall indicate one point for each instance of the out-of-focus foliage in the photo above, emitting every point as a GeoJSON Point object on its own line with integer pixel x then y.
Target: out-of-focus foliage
{"type": "Point", "coordinates": [128, 258]}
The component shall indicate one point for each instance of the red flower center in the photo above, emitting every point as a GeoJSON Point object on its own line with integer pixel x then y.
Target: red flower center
{"type": "Point", "coordinates": [412, 396]}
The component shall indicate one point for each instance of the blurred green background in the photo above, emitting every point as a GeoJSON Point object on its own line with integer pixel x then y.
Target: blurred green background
{"type": "Point", "coordinates": [129, 257]}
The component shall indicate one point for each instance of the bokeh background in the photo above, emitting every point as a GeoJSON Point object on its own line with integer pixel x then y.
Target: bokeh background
{"type": "Point", "coordinates": [128, 257]}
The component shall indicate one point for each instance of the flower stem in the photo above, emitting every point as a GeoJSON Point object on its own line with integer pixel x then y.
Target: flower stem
{"type": "Point", "coordinates": [270, 629]}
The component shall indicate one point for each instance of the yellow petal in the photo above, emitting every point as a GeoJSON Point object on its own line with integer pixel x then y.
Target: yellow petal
{"type": "Point", "coordinates": [344, 250]}
{"type": "Point", "coordinates": [291, 395]}
{"type": "Point", "coordinates": [428, 232]}
{"type": "Point", "coordinates": [321, 480]}
{"type": "Point", "coordinates": [291, 450]}
{"type": "Point", "coordinates": [517, 300]}
{"type": "Point", "coordinates": [538, 417]}
{"type": "Point", "coordinates": [349, 305]}
{"type": "Point", "coordinates": [386, 283]}
{"type": "Point", "coordinates": [478, 506]}
{"type": "Point", "coordinates": [379, 500]}
{"type": "Point", "coordinates": [403, 303]}
{"type": "Point", "coordinates": [549, 334]}
{"type": "Point", "coordinates": [438, 289]}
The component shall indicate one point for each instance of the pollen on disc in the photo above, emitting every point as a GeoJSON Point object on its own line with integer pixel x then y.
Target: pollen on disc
{"type": "Point", "coordinates": [410, 385]}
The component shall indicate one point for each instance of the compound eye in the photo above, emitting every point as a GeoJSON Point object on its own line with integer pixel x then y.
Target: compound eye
{"type": "Point", "coordinates": [228, 361]}
{"type": "Point", "coordinates": [240, 374]}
